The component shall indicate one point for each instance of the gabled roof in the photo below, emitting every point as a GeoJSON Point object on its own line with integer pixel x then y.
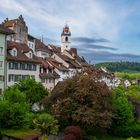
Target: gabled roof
{"type": "Point", "coordinates": [21, 50]}
{"type": "Point", "coordinates": [40, 46]}
{"type": "Point", "coordinates": [57, 64]}
{"type": "Point", "coordinates": [44, 63]}
{"type": "Point", "coordinates": [81, 61]}
{"type": "Point", "coordinates": [5, 30]}
{"type": "Point", "coordinates": [54, 49]}
{"type": "Point", "coordinates": [49, 75]}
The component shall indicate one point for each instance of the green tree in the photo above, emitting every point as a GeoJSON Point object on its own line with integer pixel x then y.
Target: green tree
{"type": "Point", "coordinates": [123, 111]}
{"type": "Point", "coordinates": [14, 110]}
{"type": "Point", "coordinates": [34, 91]}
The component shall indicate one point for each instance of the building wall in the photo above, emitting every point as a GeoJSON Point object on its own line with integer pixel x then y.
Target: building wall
{"type": "Point", "coordinates": [49, 83]}
{"type": "Point", "coordinates": [2, 61]}
{"type": "Point", "coordinates": [22, 73]}
{"type": "Point", "coordinates": [21, 31]}
{"type": "Point", "coordinates": [31, 45]}
{"type": "Point", "coordinates": [42, 54]}
{"type": "Point", "coordinates": [63, 74]}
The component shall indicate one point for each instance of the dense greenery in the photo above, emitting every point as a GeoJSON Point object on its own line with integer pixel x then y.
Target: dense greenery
{"type": "Point", "coordinates": [121, 66]}
{"type": "Point", "coordinates": [16, 102]}
{"type": "Point", "coordinates": [34, 91]}
{"type": "Point", "coordinates": [124, 121]}
{"type": "Point", "coordinates": [14, 109]}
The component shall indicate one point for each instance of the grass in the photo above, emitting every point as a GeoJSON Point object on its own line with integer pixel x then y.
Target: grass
{"type": "Point", "coordinates": [24, 133]}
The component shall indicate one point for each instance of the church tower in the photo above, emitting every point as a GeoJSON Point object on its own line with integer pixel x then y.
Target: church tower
{"type": "Point", "coordinates": [65, 39]}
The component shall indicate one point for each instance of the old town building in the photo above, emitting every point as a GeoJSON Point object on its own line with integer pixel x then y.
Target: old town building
{"type": "Point", "coordinates": [29, 56]}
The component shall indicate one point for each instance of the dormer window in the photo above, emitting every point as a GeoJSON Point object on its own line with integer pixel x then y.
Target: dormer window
{"type": "Point", "coordinates": [14, 52]}
{"type": "Point", "coordinates": [30, 54]}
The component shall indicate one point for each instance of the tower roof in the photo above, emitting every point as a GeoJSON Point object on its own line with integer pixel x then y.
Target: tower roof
{"type": "Point", "coordinates": [66, 31]}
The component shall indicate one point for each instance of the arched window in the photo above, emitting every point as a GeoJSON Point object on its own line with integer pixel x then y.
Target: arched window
{"type": "Point", "coordinates": [66, 39]}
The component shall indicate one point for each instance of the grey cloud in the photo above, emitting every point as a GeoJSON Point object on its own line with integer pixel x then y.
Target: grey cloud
{"type": "Point", "coordinates": [93, 46]}
{"type": "Point", "coordinates": [89, 40]}
{"type": "Point", "coordinates": [104, 56]}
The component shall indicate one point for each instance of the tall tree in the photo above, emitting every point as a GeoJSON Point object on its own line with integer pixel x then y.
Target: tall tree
{"type": "Point", "coordinates": [82, 100]}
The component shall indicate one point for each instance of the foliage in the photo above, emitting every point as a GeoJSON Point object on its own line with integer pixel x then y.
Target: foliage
{"type": "Point", "coordinates": [34, 91]}
{"type": "Point", "coordinates": [81, 100]}
{"type": "Point", "coordinates": [127, 131]}
{"type": "Point", "coordinates": [46, 123]}
{"type": "Point", "coordinates": [74, 131]}
{"type": "Point", "coordinates": [128, 76]}
{"type": "Point", "coordinates": [121, 66]}
{"type": "Point", "coordinates": [124, 122]}
{"type": "Point", "coordinates": [134, 92]}
{"type": "Point", "coordinates": [14, 109]}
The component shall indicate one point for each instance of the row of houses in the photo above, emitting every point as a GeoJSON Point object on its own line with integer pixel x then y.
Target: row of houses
{"type": "Point", "coordinates": [23, 55]}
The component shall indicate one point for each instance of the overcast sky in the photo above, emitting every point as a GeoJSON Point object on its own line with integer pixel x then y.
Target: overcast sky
{"type": "Point", "coordinates": [102, 30]}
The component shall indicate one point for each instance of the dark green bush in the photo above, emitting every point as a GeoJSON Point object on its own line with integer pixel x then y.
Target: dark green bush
{"type": "Point", "coordinates": [128, 131]}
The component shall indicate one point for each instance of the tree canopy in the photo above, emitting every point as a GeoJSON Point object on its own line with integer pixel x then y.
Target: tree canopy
{"type": "Point", "coordinates": [34, 91]}
{"type": "Point", "coordinates": [81, 100]}
{"type": "Point", "coordinates": [14, 110]}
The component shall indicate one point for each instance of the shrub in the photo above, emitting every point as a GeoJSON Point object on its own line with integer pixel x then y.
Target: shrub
{"type": "Point", "coordinates": [128, 131]}
{"type": "Point", "coordinates": [75, 131]}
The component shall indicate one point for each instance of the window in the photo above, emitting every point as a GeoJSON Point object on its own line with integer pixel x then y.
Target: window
{"type": "Point", "coordinates": [1, 50]}
{"type": "Point", "coordinates": [10, 77]}
{"type": "Point", "coordinates": [66, 39]}
{"type": "Point", "coordinates": [34, 67]}
{"type": "Point", "coordinates": [1, 78]}
{"type": "Point", "coordinates": [30, 55]}
{"type": "Point", "coordinates": [10, 65]}
{"type": "Point", "coordinates": [14, 52]}
{"type": "Point", "coordinates": [15, 65]}
{"type": "Point", "coordinates": [1, 64]}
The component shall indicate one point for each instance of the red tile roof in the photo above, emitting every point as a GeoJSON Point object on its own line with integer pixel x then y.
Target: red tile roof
{"type": "Point", "coordinates": [40, 46]}
{"type": "Point", "coordinates": [9, 23]}
{"type": "Point", "coordinates": [21, 50]}
{"type": "Point", "coordinates": [57, 64]}
{"type": "Point", "coordinates": [5, 30]}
